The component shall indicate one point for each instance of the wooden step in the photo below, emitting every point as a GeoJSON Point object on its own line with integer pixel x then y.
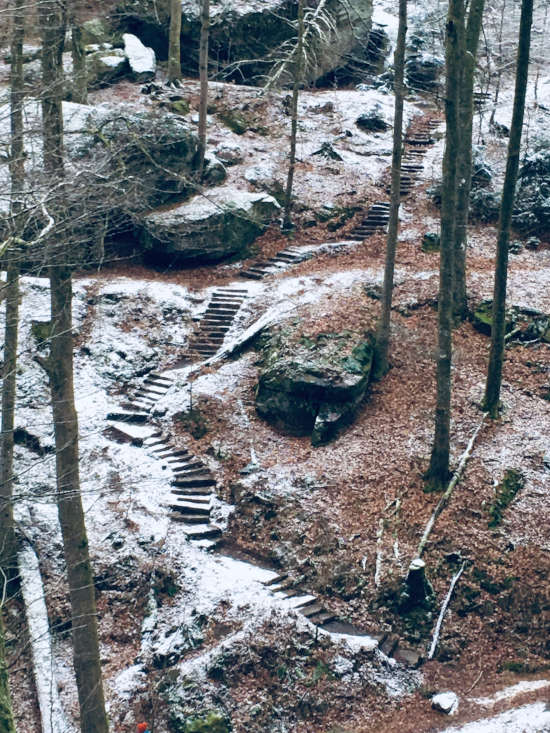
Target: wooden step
{"type": "Point", "coordinates": [324, 617]}
{"type": "Point", "coordinates": [129, 416]}
{"type": "Point", "coordinates": [189, 508]}
{"type": "Point", "coordinates": [193, 483]}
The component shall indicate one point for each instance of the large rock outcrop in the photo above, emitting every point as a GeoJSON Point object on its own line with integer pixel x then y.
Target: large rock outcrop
{"type": "Point", "coordinates": [313, 385]}
{"type": "Point", "coordinates": [244, 35]}
{"type": "Point", "coordinates": [532, 204]}
{"type": "Point", "coordinates": [522, 324]}
{"type": "Point", "coordinates": [208, 227]}
{"type": "Point", "coordinates": [120, 163]}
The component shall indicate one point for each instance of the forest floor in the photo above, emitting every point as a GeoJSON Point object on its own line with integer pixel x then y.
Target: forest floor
{"type": "Point", "coordinates": [315, 513]}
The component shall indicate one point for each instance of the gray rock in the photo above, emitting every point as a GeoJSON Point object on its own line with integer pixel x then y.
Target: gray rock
{"type": "Point", "coordinates": [229, 154]}
{"type": "Point", "coordinates": [105, 66]}
{"type": "Point", "coordinates": [373, 120]}
{"type": "Point", "coordinates": [208, 227]}
{"type": "Point", "coordinates": [142, 60]}
{"type": "Point", "coordinates": [246, 31]}
{"type": "Point", "coordinates": [149, 155]}
{"type": "Point", "coordinates": [263, 177]}
{"type": "Point", "coordinates": [96, 31]}
{"type": "Point", "coordinates": [546, 461]}
{"type": "Point", "coordinates": [214, 172]}
{"type": "Point", "coordinates": [423, 70]}
{"type": "Point", "coordinates": [445, 702]}
{"type": "Point", "coordinates": [313, 386]}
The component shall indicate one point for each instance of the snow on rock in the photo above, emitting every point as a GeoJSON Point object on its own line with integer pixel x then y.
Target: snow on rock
{"type": "Point", "coordinates": [209, 226]}
{"type": "Point", "coordinates": [445, 702]}
{"type": "Point", "coordinates": [141, 58]}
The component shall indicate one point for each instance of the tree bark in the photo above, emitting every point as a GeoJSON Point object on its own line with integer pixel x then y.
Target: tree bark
{"type": "Point", "coordinates": [203, 73]}
{"type": "Point", "coordinates": [438, 471]}
{"type": "Point", "coordinates": [80, 77]}
{"type": "Point", "coordinates": [174, 50]}
{"type": "Point", "coordinates": [464, 157]}
{"type": "Point", "coordinates": [383, 334]}
{"type": "Point", "coordinates": [86, 659]}
{"type": "Point", "coordinates": [496, 357]}
{"type": "Point", "coordinates": [17, 176]}
{"type": "Point", "coordinates": [7, 536]}
{"type": "Point", "coordinates": [298, 74]}
{"type": "Point", "coordinates": [7, 724]}
{"type": "Point", "coordinates": [8, 562]}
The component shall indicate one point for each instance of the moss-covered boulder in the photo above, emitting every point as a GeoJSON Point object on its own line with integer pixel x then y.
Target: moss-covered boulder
{"type": "Point", "coordinates": [313, 385]}
{"type": "Point", "coordinates": [208, 228]}
{"type": "Point", "coordinates": [483, 318]}
{"type": "Point", "coordinates": [527, 324]}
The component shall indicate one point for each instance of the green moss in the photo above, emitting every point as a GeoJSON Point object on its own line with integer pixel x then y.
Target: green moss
{"type": "Point", "coordinates": [483, 318]}
{"type": "Point", "coordinates": [212, 722]}
{"type": "Point", "coordinates": [41, 330]}
{"type": "Point", "coordinates": [431, 242]}
{"type": "Point", "coordinates": [180, 107]}
{"type": "Point", "coordinates": [236, 121]}
{"type": "Point", "coordinates": [505, 493]}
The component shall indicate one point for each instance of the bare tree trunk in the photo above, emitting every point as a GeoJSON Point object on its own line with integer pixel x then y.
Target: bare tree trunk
{"type": "Point", "coordinates": [17, 174]}
{"type": "Point", "coordinates": [80, 78]}
{"type": "Point", "coordinates": [500, 63]}
{"type": "Point", "coordinates": [496, 356]}
{"type": "Point", "coordinates": [7, 537]}
{"type": "Point", "coordinates": [174, 50]}
{"type": "Point", "coordinates": [383, 335]}
{"type": "Point", "coordinates": [464, 156]}
{"type": "Point", "coordinates": [298, 73]}
{"type": "Point", "coordinates": [7, 724]}
{"type": "Point", "coordinates": [203, 73]}
{"type": "Point", "coordinates": [438, 471]}
{"type": "Point", "coordinates": [86, 659]}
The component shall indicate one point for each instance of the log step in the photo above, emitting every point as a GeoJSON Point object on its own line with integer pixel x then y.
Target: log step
{"type": "Point", "coordinates": [193, 483]}
{"type": "Point", "coordinates": [129, 416]}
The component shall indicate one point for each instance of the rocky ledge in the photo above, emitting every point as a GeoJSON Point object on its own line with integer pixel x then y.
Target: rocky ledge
{"type": "Point", "coordinates": [313, 384]}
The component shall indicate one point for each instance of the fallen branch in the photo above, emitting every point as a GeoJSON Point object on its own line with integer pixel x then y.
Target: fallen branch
{"type": "Point", "coordinates": [442, 503]}
{"type": "Point", "coordinates": [378, 567]}
{"type": "Point", "coordinates": [443, 611]}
